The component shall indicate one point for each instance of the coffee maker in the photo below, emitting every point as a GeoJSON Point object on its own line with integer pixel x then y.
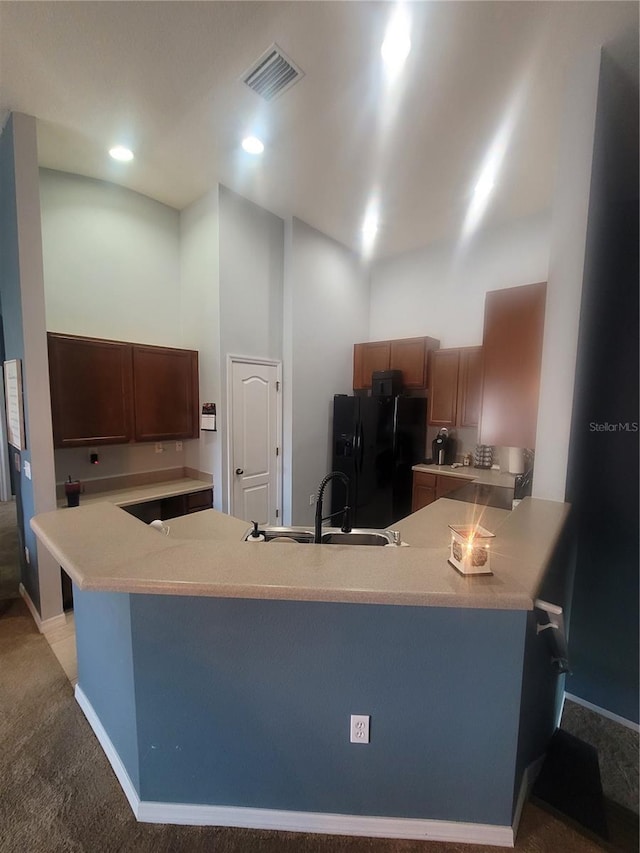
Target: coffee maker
{"type": "Point", "coordinates": [442, 448]}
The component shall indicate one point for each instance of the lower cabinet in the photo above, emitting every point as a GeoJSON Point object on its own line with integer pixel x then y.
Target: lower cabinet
{"type": "Point", "coordinates": [171, 507]}
{"type": "Point", "coordinates": [424, 490]}
{"type": "Point", "coordinates": [448, 484]}
{"type": "Point", "coordinates": [428, 487]}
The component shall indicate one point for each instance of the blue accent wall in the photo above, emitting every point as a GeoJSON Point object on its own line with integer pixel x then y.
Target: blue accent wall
{"type": "Point", "coordinates": [247, 703]}
{"type": "Point", "coordinates": [11, 305]}
{"type": "Point", "coordinates": [105, 668]}
{"type": "Point", "coordinates": [602, 479]}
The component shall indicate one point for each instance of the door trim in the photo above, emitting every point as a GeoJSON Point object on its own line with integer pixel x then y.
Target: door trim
{"type": "Point", "coordinates": [269, 362]}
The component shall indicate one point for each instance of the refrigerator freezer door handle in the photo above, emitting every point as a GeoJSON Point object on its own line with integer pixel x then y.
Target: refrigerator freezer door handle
{"type": "Point", "coordinates": [360, 446]}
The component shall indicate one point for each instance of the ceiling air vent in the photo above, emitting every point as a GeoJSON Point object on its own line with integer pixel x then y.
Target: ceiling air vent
{"type": "Point", "coordinates": [272, 74]}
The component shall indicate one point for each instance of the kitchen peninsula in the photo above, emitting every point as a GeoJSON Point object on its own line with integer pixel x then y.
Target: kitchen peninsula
{"type": "Point", "coordinates": [220, 675]}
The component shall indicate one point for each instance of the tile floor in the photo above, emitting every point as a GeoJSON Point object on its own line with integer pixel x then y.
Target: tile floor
{"type": "Point", "coordinates": [63, 644]}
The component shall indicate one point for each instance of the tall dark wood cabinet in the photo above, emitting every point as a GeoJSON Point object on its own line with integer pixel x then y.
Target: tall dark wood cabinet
{"type": "Point", "coordinates": [512, 352]}
{"type": "Point", "coordinates": [91, 391]}
{"type": "Point", "coordinates": [114, 392]}
{"type": "Point", "coordinates": [165, 393]}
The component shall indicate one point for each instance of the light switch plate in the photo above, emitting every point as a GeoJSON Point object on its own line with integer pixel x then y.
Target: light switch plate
{"type": "Point", "coordinates": [27, 469]}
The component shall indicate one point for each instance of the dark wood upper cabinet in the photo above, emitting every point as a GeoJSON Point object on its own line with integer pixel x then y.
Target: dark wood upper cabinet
{"type": "Point", "coordinates": [409, 355]}
{"type": "Point", "coordinates": [443, 397]}
{"type": "Point", "coordinates": [512, 353]}
{"type": "Point", "coordinates": [455, 387]}
{"type": "Point", "coordinates": [114, 392]}
{"type": "Point", "coordinates": [91, 391]}
{"type": "Point", "coordinates": [165, 383]}
{"type": "Point", "coordinates": [367, 357]}
{"type": "Point", "coordinates": [469, 387]}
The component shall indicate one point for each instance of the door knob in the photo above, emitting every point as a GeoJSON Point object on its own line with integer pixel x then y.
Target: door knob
{"type": "Point", "coordinates": [239, 471]}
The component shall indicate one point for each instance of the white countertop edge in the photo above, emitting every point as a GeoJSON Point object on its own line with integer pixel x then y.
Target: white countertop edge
{"type": "Point", "coordinates": [142, 559]}
{"type": "Point", "coordinates": [486, 476]}
{"type": "Point", "coordinates": [142, 494]}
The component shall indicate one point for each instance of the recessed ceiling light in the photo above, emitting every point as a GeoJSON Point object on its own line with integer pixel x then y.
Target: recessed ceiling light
{"type": "Point", "coordinates": [484, 185]}
{"type": "Point", "coordinates": [370, 226]}
{"type": "Point", "coordinates": [119, 152]}
{"type": "Point", "coordinates": [252, 145]}
{"type": "Point", "coordinates": [397, 44]}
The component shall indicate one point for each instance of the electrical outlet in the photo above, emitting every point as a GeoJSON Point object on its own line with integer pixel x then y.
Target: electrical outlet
{"type": "Point", "coordinates": [359, 730]}
{"type": "Point", "coordinates": [178, 446]}
{"type": "Point", "coordinates": [27, 556]}
{"type": "Point", "coordinates": [159, 447]}
{"type": "Point", "coordinates": [312, 500]}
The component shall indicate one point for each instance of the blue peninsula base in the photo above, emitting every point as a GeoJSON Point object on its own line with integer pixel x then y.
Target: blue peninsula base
{"type": "Point", "coordinates": [236, 712]}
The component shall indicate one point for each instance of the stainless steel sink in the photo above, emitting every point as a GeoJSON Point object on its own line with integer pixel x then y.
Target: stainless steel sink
{"type": "Point", "coordinates": [330, 535]}
{"type": "Point", "coordinates": [358, 537]}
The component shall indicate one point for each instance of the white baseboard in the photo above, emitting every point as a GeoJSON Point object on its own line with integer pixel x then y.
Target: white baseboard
{"type": "Point", "coordinates": [110, 751]}
{"type": "Point", "coordinates": [635, 727]}
{"type": "Point", "coordinates": [331, 824]}
{"type": "Point", "coordinates": [43, 625]}
{"type": "Point", "coordinates": [290, 821]}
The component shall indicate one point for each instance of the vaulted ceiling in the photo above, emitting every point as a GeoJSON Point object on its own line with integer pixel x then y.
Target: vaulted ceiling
{"type": "Point", "coordinates": [482, 88]}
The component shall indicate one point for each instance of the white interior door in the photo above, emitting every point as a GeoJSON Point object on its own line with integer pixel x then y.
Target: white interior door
{"type": "Point", "coordinates": [254, 441]}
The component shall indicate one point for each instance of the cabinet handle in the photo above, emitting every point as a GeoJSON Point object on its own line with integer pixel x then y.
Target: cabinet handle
{"type": "Point", "coordinates": [239, 471]}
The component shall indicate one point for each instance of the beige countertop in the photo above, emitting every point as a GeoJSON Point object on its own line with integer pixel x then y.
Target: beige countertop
{"type": "Point", "coordinates": [103, 548]}
{"type": "Point", "coordinates": [141, 494]}
{"type": "Point", "coordinates": [478, 475]}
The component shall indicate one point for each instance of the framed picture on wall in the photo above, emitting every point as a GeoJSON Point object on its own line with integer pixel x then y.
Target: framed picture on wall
{"type": "Point", "coordinates": [14, 403]}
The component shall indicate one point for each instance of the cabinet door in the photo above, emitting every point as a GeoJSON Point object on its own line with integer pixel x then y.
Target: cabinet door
{"type": "Point", "coordinates": [91, 391]}
{"type": "Point", "coordinates": [448, 484]}
{"type": "Point", "coordinates": [410, 356]}
{"type": "Point", "coordinates": [424, 490]}
{"type": "Point", "coordinates": [368, 357]}
{"type": "Point", "coordinates": [165, 393]}
{"type": "Point", "coordinates": [512, 353]}
{"type": "Point", "coordinates": [197, 501]}
{"type": "Point", "coordinates": [469, 386]}
{"type": "Point", "coordinates": [443, 396]}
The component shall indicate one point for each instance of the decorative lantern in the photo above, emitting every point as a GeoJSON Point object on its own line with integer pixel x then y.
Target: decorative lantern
{"type": "Point", "coordinates": [470, 551]}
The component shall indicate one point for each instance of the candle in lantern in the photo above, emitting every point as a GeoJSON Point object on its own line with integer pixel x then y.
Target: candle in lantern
{"type": "Point", "coordinates": [470, 551]}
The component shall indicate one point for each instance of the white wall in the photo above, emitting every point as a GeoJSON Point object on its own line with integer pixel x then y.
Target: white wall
{"type": "Point", "coordinates": [440, 292]}
{"type": "Point", "coordinates": [326, 312]}
{"type": "Point", "coordinates": [24, 310]}
{"type": "Point", "coordinates": [112, 270]}
{"type": "Point", "coordinates": [251, 286]}
{"type": "Point", "coordinates": [111, 261]}
{"type": "Point", "coordinates": [200, 321]}
{"type": "Point", "coordinates": [566, 271]}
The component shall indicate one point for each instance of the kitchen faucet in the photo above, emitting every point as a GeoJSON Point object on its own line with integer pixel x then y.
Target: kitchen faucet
{"type": "Point", "coordinates": [346, 511]}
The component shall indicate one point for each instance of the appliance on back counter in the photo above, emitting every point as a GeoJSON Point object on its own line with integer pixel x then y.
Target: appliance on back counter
{"type": "Point", "coordinates": [443, 448]}
{"type": "Point", "coordinates": [522, 486]}
{"type": "Point", "coordinates": [376, 441]}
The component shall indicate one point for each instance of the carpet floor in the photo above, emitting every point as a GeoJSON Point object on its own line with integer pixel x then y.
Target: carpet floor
{"type": "Point", "coordinates": [9, 547]}
{"type": "Point", "coordinates": [58, 792]}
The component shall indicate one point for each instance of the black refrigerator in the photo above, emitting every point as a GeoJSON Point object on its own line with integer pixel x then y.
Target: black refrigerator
{"type": "Point", "coordinates": [376, 440]}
